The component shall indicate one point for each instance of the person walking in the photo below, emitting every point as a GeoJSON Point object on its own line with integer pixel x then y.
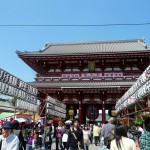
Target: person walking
{"type": "Point", "coordinates": [59, 130]}
{"type": "Point", "coordinates": [39, 135]}
{"type": "Point", "coordinates": [65, 135]}
{"type": "Point", "coordinates": [75, 137]}
{"type": "Point", "coordinates": [91, 133]}
{"type": "Point", "coordinates": [29, 140]}
{"type": "Point", "coordinates": [49, 133]}
{"type": "Point", "coordinates": [122, 142]}
{"type": "Point", "coordinates": [18, 133]}
{"type": "Point", "coordinates": [96, 133]}
{"type": "Point", "coordinates": [86, 135]}
{"type": "Point", "coordinates": [107, 129]}
{"type": "Point", "coordinates": [145, 138]}
{"type": "Point", "coordinates": [100, 129]}
{"type": "Point", "coordinates": [8, 141]}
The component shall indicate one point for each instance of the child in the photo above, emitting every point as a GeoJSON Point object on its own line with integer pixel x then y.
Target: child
{"type": "Point", "coordinates": [29, 141]}
{"type": "Point", "coordinates": [34, 139]}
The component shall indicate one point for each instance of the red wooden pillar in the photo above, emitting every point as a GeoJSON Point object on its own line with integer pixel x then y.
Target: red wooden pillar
{"type": "Point", "coordinates": [80, 114]}
{"type": "Point", "coordinates": [103, 112]}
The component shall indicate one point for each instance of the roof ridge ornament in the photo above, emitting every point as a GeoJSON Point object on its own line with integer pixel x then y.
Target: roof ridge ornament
{"type": "Point", "coordinates": [143, 43]}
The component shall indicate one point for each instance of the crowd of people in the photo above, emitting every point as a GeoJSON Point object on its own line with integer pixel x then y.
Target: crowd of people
{"type": "Point", "coordinates": [16, 136]}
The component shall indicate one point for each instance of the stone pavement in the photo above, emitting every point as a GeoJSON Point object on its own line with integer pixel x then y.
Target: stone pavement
{"type": "Point", "coordinates": [91, 147]}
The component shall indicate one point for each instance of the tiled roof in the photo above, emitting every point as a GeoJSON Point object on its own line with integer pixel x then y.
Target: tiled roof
{"type": "Point", "coordinates": [96, 47]}
{"type": "Point", "coordinates": [82, 84]}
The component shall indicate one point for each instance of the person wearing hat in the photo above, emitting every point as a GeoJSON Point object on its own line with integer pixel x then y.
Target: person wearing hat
{"type": "Point", "coordinates": [8, 141]}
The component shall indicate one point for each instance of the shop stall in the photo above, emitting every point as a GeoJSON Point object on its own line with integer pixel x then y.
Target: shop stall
{"type": "Point", "coordinates": [24, 100]}
{"type": "Point", "coordinates": [135, 103]}
{"type": "Point", "coordinates": [23, 96]}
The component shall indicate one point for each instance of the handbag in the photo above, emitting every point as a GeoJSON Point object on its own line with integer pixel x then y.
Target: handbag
{"type": "Point", "coordinates": [76, 139]}
{"type": "Point", "coordinates": [86, 142]}
{"type": "Point", "coordinates": [65, 137]}
{"type": "Point", "coordinates": [111, 135]}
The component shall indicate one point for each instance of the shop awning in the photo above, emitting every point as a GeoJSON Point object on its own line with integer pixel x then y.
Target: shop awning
{"type": "Point", "coordinates": [4, 115]}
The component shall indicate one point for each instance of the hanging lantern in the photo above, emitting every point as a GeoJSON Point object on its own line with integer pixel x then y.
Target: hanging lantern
{"type": "Point", "coordinates": [71, 112]}
{"type": "Point", "coordinates": [92, 112]}
{"type": "Point", "coordinates": [91, 66]}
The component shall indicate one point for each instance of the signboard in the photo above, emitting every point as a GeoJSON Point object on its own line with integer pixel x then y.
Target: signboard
{"type": "Point", "coordinates": [26, 106]}
{"type": "Point", "coordinates": [142, 80]}
{"type": "Point", "coordinates": [138, 95]}
{"type": "Point", "coordinates": [13, 81]}
{"type": "Point", "coordinates": [14, 92]}
{"type": "Point", "coordinates": [6, 106]}
{"type": "Point", "coordinates": [92, 75]}
{"type": "Point", "coordinates": [55, 102]}
{"type": "Point", "coordinates": [55, 107]}
{"type": "Point", "coordinates": [13, 86]}
{"type": "Point", "coordinates": [56, 113]}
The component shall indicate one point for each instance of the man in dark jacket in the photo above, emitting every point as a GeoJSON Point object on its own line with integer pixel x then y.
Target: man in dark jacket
{"type": "Point", "coordinates": [49, 133]}
{"type": "Point", "coordinates": [75, 137]}
{"type": "Point", "coordinates": [39, 135]}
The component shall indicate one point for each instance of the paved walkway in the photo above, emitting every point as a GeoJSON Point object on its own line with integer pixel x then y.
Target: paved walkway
{"type": "Point", "coordinates": [91, 147]}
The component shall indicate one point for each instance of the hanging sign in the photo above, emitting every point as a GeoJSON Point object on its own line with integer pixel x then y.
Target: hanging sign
{"type": "Point", "coordinates": [56, 113]}
{"type": "Point", "coordinates": [13, 81]}
{"type": "Point", "coordinates": [55, 102]}
{"type": "Point", "coordinates": [26, 106]}
{"type": "Point", "coordinates": [142, 80]}
{"type": "Point", "coordinates": [55, 107]}
{"type": "Point", "coordinates": [12, 86]}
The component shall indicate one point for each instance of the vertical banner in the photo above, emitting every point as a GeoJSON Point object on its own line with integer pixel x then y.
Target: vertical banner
{"type": "Point", "coordinates": [91, 66]}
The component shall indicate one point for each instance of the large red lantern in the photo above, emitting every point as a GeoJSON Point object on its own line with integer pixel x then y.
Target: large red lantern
{"type": "Point", "coordinates": [92, 112]}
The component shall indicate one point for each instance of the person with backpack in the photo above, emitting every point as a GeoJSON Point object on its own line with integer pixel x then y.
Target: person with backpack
{"type": "Point", "coordinates": [75, 137]}
{"type": "Point", "coordinates": [108, 132]}
{"type": "Point", "coordinates": [65, 135]}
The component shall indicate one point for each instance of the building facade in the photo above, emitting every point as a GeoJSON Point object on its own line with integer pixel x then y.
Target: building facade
{"type": "Point", "coordinates": [88, 76]}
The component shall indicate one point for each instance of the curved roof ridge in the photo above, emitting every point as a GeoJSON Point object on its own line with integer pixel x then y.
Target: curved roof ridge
{"type": "Point", "coordinates": [130, 45]}
{"type": "Point", "coordinates": [93, 42]}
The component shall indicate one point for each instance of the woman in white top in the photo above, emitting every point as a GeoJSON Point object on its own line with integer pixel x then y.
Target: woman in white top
{"type": "Point", "coordinates": [122, 142]}
{"type": "Point", "coordinates": [86, 135]}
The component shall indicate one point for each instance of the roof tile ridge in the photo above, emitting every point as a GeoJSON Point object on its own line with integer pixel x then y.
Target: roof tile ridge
{"type": "Point", "coordinates": [47, 45]}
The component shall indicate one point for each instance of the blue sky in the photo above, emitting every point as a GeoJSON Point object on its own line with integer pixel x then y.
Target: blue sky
{"type": "Point", "coordinates": [59, 12]}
